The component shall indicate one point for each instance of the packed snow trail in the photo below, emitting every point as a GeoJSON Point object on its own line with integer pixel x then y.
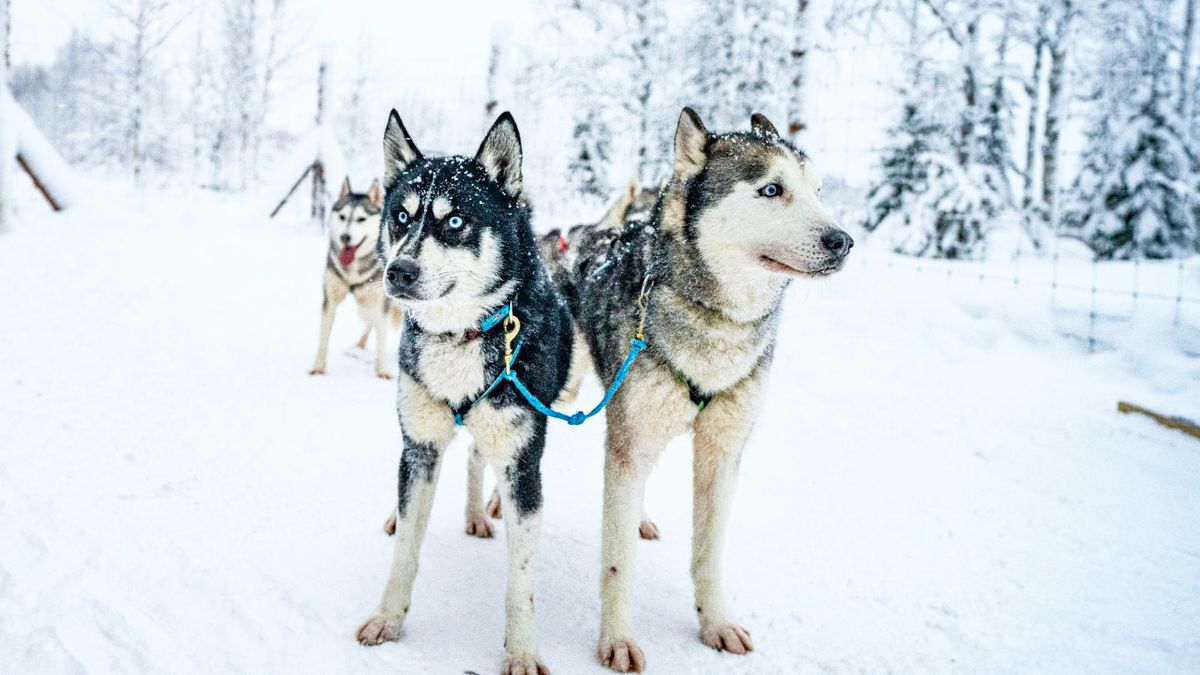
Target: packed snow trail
{"type": "Point", "coordinates": [937, 484]}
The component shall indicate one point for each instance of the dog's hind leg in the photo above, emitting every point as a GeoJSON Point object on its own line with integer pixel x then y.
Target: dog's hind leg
{"type": "Point", "coordinates": [493, 505]}
{"type": "Point", "coordinates": [477, 522]}
{"type": "Point", "coordinates": [362, 341]}
{"type": "Point", "coordinates": [720, 434]}
{"type": "Point", "coordinates": [334, 293]}
{"type": "Point", "coordinates": [427, 430]}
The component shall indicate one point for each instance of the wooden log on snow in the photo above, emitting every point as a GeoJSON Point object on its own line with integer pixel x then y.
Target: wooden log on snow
{"type": "Point", "coordinates": [1181, 423]}
{"type": "Point", "coordinates": [37, 183]}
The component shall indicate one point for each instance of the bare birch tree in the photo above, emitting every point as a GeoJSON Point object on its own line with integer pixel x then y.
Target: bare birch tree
{"type": "Point", "coordinates": [143, 27]}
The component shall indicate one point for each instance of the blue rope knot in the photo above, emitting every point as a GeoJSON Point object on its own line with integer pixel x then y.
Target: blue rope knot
{"type": "Point", "coordinates": [636, 346]}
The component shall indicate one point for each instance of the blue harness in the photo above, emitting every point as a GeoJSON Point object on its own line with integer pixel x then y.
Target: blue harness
{"type": "Point", "coordinates": [513, 327]}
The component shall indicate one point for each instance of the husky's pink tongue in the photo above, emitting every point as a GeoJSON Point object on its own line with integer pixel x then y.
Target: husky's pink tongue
{"type": "Point", "coordinates": [347, 256]}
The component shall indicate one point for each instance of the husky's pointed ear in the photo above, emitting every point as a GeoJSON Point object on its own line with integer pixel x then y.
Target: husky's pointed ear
{"type": "Point", "coordinates": [345, 188]}
{"type": "Point", "coordinates": [399, 151]}
{"type": "Point", "coordinates": [500, 154]}
{"type": "Point", "coordinates": [375, 194]}
{"type": "Point", "coordinates": [760, 124]}
{"type": "Point", "coordinates": [691, 139]}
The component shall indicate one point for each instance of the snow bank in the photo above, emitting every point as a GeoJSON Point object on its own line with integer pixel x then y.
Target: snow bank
{"type": "Point", "coordinates": [938, 482]}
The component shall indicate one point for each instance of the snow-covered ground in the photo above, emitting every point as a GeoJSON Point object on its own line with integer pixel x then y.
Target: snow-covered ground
{"type": "Point", "coordinates": [939, 481]}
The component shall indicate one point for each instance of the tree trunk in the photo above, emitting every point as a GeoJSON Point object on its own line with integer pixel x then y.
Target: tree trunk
{"type": "Point", "coordinates": [970, 115]}
{"type": "Point", "coordinates": [489, 106]}
{"type": "Point", "coordinates": [1185, 62]}
{"type": "Point", "coordinates": [318, 169]}
{"type": "Point", "coordinates": [138, 108]}
{"type": "Point", "coordinates": [1033, 89]}
{"type": "Point", "coordinates": [1058, 62]}
{"type": "Point", "coordinates": [799, 61]}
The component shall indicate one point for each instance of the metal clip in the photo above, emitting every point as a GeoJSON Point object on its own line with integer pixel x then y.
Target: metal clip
{"type": "Point", "coordinates": [512, 326]}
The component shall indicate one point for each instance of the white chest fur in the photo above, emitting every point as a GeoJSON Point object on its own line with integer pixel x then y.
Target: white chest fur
{"type": "Point", "coordinates": [452, 369]}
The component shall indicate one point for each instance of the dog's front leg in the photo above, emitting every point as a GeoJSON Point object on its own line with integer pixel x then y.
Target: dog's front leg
{"type": "Point", "coordinates": [720, 434]}
{"type": "Point", "coordinates": [512, 440]}
{"type": "Point", "coordinates": [428, 428]}
{"type": "Point", "coordinates": [624, 485]}
{"type": "Point", "coordinates": [334, 293]}
{"type": "Point", "coordinates": [381, 346]}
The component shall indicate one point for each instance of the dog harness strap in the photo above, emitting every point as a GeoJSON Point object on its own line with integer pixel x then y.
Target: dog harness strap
{"type": "Point", "coordinates": [697, 397]}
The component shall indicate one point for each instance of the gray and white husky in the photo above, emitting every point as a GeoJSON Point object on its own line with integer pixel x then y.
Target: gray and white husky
{"type": "Point", "coordinates": [351, 267]}
{"type": "Point", "coordinates": [457, 246]}
{"type": "Point", "coordinates": [740, 218]}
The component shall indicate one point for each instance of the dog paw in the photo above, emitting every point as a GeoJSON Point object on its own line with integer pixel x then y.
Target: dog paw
{"type": "Point", "coordinates": [317, 371]}
{"type": "Point", "coordinates": [523, 664]}
{"type": "Point", "coordinates": [389, 528]}
{"type": "Point", "coordinates": [379, 629]}
{"type": "Point", "coordinates": [648, 530]}
{"type": "Point", "coordinates": [383, 375]}
{"type": "Point", "coordinates": [726, 637]}
{"type": "Point", "coordinates": [493, 506]}
{"type": "Point", "coordinates": [621, 655]}
{"type": "Point", "coordinates": [478, 526]}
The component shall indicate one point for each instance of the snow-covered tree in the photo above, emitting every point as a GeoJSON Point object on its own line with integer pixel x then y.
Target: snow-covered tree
{"type": "Point", "coordinates": [592, 155]}
{"type": "Point", "coordinates": [142, 27]}
{"type": "Point", "coordinates": [1135, 196]}
{"type": "Point", "coordinates": [943, 184]}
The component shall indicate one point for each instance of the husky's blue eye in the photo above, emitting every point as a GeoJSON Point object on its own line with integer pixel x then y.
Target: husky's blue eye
{"type": "Point", "coordinates": [771, 190]}
{"type": "Point", "coordinates": [455, 222]}
{"type": "Point", "coordinates": [402, 217]}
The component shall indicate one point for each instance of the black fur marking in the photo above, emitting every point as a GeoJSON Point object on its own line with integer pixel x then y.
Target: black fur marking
{"type": "Point", "coordinates": [417, 462]}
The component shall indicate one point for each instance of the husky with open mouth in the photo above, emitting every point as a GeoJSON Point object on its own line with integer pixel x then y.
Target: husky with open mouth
{"type": "Point", "coordinates": [352, 268]}
{"type": "Point", "coordinates": [740, 218]}
{"type": "Point", "coordinates": [459, 254]}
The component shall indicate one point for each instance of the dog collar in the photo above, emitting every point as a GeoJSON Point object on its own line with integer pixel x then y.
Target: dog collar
{"type": "Point", "coordinates": [487, 324]}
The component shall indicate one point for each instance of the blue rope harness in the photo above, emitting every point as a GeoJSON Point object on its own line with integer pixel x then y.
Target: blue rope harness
{"type": "Point", "coordinates": [637, 344]}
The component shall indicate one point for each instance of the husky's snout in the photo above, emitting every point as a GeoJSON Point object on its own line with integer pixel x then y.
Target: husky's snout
{"type": "Point", "coordinates": [837, 242]}
{"type": "Point", "coordinates": [402, 277]}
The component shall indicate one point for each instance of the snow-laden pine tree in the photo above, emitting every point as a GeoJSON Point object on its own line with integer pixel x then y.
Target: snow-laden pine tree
{"type": "Point", "coordinates": [943, 186]}
{"type": "Point", "coordinates": [588, 168]}
{"type": "Point", "coordinates": [1135, 195]}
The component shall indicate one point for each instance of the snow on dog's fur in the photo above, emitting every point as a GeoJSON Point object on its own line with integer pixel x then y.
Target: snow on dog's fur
{"type": "Point", "coordinates": [351, 267]}
{"type": "Point", "coordinates": [740, 217]}
{"type": "Point", "coordinates": [456, 244]}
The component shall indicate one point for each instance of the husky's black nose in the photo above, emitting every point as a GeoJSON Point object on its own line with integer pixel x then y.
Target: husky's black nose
{"type": "Point", "coordinates": [345, 239]}
{"type": "Point", "coordinates": [837, 242]}
{"type": "Point", "coordinates": [402, 274]}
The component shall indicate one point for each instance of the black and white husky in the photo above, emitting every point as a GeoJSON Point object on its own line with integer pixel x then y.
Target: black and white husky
{"type": "Point", "coordinates": [457, 247]}
{"type": "Point", "coordinates": [740, 217]}
{"type": "Point", "coordinates": [352, 267]}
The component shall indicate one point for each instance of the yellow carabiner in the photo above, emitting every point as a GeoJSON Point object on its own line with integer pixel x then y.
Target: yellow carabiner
{"type": "Point", "coordinates": [512, 326]}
